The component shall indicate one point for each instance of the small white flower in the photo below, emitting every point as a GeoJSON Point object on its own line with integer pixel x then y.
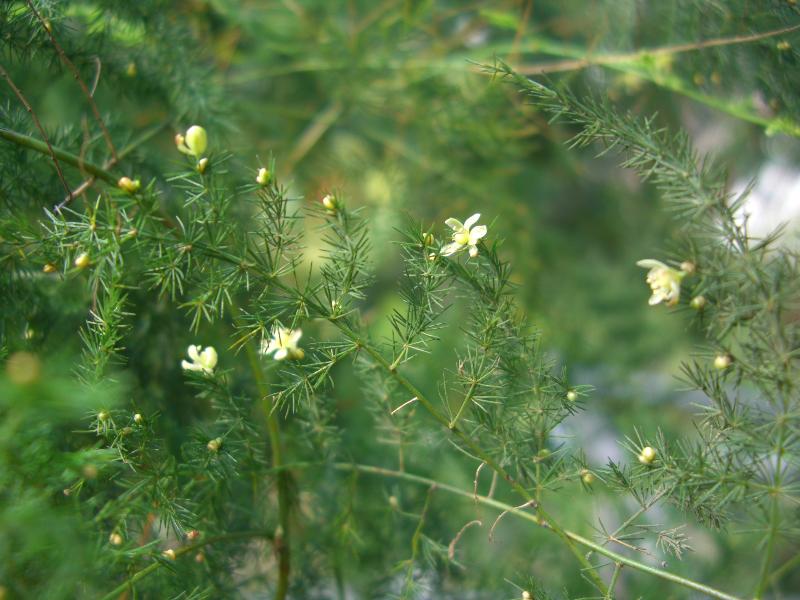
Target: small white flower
{"type": "Point", "coordinates": [664, 281]}
{"type": "Point", "coordinates": [194, 142]}
{"type": "Point", "coordinates": [283, 344]}
{"type": "Point", "coordinates": [203, 359]}
{"type": "Point", "coordinates": [464, 236]}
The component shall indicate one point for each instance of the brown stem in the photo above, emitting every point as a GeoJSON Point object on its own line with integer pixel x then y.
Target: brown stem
{"type": "Point", "coordinates": [71, 66]}
{"type": "Point", "coordinates": [18, 93]}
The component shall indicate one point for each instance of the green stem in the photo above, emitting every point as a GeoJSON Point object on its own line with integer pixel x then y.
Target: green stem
{"type": "Point", "coordinates": [467, 398]}
{"type": "Point", "coordinates": [67, 157]}
{"type": "Point", "coordinates": [574, 537]}
{"type": "Point", "coordinates": [282, 545]}
{"type": "Point", "coordinates": [613, 583]}
{"type": "Point", "coordinates": [128, 585]}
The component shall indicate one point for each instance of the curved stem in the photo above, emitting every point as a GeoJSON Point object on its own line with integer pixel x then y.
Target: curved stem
{"type": "Point", "coordinates": [618, 558]}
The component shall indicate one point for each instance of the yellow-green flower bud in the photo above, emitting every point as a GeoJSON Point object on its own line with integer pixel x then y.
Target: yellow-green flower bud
{"type": "Point", "coordinates": [214, 445]}
{"type": "Point", "coordinates": [129, 185]}
{"type": "Point", "coordinates": [587, 476]}
{"type": "Point", "coordinates": [49, 268]}
{"type": "Point", "coordinates": [688, 267]}
{"type": "Point", "coordinates": [82, 260]}
{"type": "Point", "coordinates": [115, 539]}
{"type": "Point", "coordinates": [263, 176]}
{"type": "Point", "coordinates": [698, 303]}
{"type": "Point", "coordinates": [647, 455]}
{"type": "Point", "coordinates": [329, 202]}
{"type": "Point", "coordinates": [138, 419]}
{"type": "Point", "coordinates": [194, 142]}
{"type": "Point", "coordinates": [201, 165]}
{"type": "Point", "coordinates": [572, 395]}
{"type": "Point", "coordinates": [722, 361]}
{"type": "Point", "coordinates": [169, 554]}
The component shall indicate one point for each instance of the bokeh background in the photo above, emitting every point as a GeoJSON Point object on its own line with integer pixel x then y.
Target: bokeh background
{"type": "Point", "coordinates": [385, 101]}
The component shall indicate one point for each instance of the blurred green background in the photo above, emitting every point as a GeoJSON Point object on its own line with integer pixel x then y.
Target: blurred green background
{"type": "Point", "coordinates": [385, 101]}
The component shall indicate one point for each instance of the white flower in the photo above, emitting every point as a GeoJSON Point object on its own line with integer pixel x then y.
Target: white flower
{"type": "Point", "coordinates": [203, 359]}
{"type": "Point", "coordinates": [194, 142]}
{"type": "Point", "coordinates": [283, 344]}
{"type": "Point", "coordinates": [664, 281]}
{"type": "Point", "coordinates": [464, 236]}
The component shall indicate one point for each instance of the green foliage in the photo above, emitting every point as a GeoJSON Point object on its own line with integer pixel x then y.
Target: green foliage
{"type": "Point", "coordinates": [428, 404]}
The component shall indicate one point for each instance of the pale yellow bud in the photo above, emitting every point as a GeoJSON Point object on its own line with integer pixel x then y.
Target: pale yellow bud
{"type": "Point", "coordinates": [192, 535]}
{"type": "Point", "coordinates": [647, 455]}
{"type": "Point", "coordinates": [129, 185]}
{"type": "Point", "coordinates": [202, 164]}
{"type": "Point", "coordinates": [138, 419]}
{"type": "Point", "coordinates": [688, 267]}
{"type": "Point", "coordinates": [82, 260]}
{"type": "Point", "coordinates": [587, 476]}
{"type": "Point", "coordinates": [103, 416]}
{"type": "Point", "coordinates": [698, 303]}
{"type": "Point", "coordinates": [23, 368]}
{"type": "Point", "coordinates": [49, 268]}
{"type": "Point", "coordinates": [263, 176]}
{"type": "Point", "coordinates": [572, 395]}
{"type": "Point", "coordinates": [131, 69]}
{"type": "Point", "coordinates": [170, 554]}
{"type": "Point", "coordinates": [214, 445]}
{"type": "Point", "coordinates": [196, 139]}
{"type": "Point", "coordinates": [115, 539]}
{"type": "Point", "coordinates": [722, 361]}
{"type": "Point", "coordinates": [180, 140]}
{"type": "Point", "coordinates": [199, 557]}
{"type": "Point", "coordinates": [526, 595]}
{"type": "Point", "coordinates": [329, 202]}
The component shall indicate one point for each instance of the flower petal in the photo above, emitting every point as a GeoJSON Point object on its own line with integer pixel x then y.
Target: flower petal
{"type": "Point", "coordinates": [209, 357]}
{"type": "Point", "coordinates": [655, 299]}
{"type": "Point", "coordinates": [454, 224]}
{"type": "Point", "coordinates": [281, 354]}
{"type": "Point", "coordinates": [295, 336]}
{"type": "Point", "coordinates": [476, 233]}
{"type": "Point", "coordinates": [451, 249]}
{"type": "Point", "coordinates": [193, 352]}
{"type": "Point", "coordinates": [473, 251]}
{"type": "Point", "coordinates": [187, 366]}
{"type": "Point", "coordinates": [472, 220]}
{"type": "Point", "coordinates": [649, 263]}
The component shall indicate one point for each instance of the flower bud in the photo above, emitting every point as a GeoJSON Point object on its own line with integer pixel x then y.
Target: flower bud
{"type": "Point", "coordinates": [572, 395]}
{"type": "Point", "coordinates": [115, 539]}
{"type": "Point", "coordinates": [49, 268]}
{"type": "Point", "coordinates": [698, 303]}
{"type": "Point", "coordinates": [129, 185]}
{"type": "Point", "coordinates": [587, 476]}
{"type": "Point", "coordinates": [131, 69]}
{"type": "Point", "coordinates": [394, 503]}
{"type": "Point", "coordinates": [214, 445]}
{"type": "Point", "coordinates": [427, 239]}
{"type": "Point", "coordinates": [543, 454]}
{"type": "Point", "coordinates": [82, 260]}
{"type": "Point", "coordinates": [138, 419]}
{"type": "Point", "coordinates": [783, 45]}
{"type": "Point", "coordinates": [180, 140]}
{"type": "Point", "coordinates": [199, 557]}
{"type": "Point", "coordinates": [23, 368]}
{"type": "Point", "coordinates": [722, 361]}
{"type": "Point", "coordinates": [201, 165]}
{"type": "Point", "coordinates": [196, 139]}
{"type": "Point", "coordinates": [526, 595]}
{"type": "Point", "coordinates": [192, 535]}
{"type": "Point", "coordinates": [688, 267]}
{"type": "Point", "coordinates": [169, 554]}
{"type": "Point", "coordinates": [647, 455]}
{"type": "Point", "coordinates": [127, 430]}
{"type": "Point", "coordinates": [329, 202]}
{"type": "Point", "coordinates": [103, 415]}
{"type": "Point", "coordinates": [90, 471]}
{"type": "Point", "coordinates": [263, 176]}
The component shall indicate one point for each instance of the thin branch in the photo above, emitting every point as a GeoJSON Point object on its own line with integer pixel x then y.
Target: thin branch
{"type": "Point", "coordinates": [18, 93]}
{"type": "Point", "coordinates": [451, 549]}
{"type": "Point", "coordinates": [632, 57]}
{"type": "Point", "coordinates": [71, 66]}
